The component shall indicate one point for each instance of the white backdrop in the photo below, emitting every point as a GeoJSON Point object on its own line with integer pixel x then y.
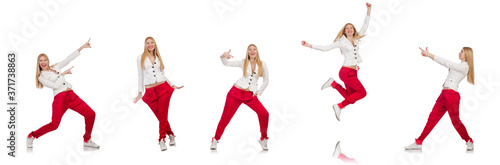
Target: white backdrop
{"type": "Point", "coordinates": [402, 86]}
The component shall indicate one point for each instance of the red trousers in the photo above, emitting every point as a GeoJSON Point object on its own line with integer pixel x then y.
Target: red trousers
{"type": "Point", "coordinates": [448, 101]}
{"type": "Point", "coordinates": [353, 90]}
{"type": "Point", "coordinates": [233, 100]}
{"type": "Point", "coordinates": [62, 102]}
{"type": "Point", "coordinates": [158, 99]}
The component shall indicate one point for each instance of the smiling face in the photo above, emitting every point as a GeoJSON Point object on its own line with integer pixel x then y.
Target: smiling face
{"type": "Point", "coordinates": [461, 55]}
{"type": "Point", "coordinates": [43, 62]}
{"type": "Point", "coordinates": [252, 52]}
{"type": "Point", "coordinates": [150, 44]}
{"type": "Point", "coordinates": [349, 30]}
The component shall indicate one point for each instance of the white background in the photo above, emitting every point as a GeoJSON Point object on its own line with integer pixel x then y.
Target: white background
{"type": "Point", "coordinates": [402, 86]}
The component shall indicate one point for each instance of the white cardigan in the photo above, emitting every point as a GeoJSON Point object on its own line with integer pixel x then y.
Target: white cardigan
{"type": "Point", "coordinates": [456, 73]}
{"type": "Point", "coordinates": [56, 81]}
{"type": "Point", "coordinates": [350, 52]}
{"type": "Point", "coordinates": [151, 73]}
{"type": "Point", "coordinates": [249, 81]}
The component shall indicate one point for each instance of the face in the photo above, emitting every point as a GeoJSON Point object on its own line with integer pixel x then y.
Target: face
{"type": "Point", "coordinates": [349, 30]}
{"type": "Point", "coordinates": [43, 62]}
{"type": "Point", "coordinates": [150, 44]}
{"type": "Point", "coordinates": [461, 55]}
{"type": "Point", "coordinates": [252, 51]}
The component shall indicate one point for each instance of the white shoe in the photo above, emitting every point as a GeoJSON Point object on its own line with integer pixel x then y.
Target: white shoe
{"type": "Point", "coordinates": [29, 141]}
{"type": "Point", "coordinates": [163, 147]}
{"type": "Point", "coordinates": [263, 143]}
{"type": "Point", "coordinates": [327, 84]}
{"type": "Point", "coordinates": [337, 150]}
{"type": "Point", "coordinates": [413, 146]}
{"type": "Point", "coordinates": [172, 140]}
{"type": "Point", "coordinates": [214, 144]}
{"type": "Point", "coordinates": [470, 146]}
{"type": "Point", "coordinates": [90, 143]}
{"type": "Point", "coordinates": [337, 110]}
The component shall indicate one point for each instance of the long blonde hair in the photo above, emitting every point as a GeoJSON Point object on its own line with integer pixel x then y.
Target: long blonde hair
{"type": "Point", "coordinates": [156, 53]}
{"type": "Point", "coordinates": [469, 57]}
{"type": "Point", "coordinates": [39, 69]}
{"type": "Point", "coordinates": [342, 33]}
{"type": "Point", "coordinates": [257, 61]}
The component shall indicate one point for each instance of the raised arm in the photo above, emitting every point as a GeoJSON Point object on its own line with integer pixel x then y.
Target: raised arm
{"type": "Point", "coordinates": [225, 56]}
{"type": "Point", "coordinates": [265, 81]}
{"type": "Point", "coordinates": [363, 29]}
{"type": "Point", "coordinates": [72, 56]}
{"type": "Point", "coordinates": [444, 62]}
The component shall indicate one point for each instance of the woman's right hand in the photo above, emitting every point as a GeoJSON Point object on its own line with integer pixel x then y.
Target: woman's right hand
{"type": "Point", "coordinates": [67, 71]}
{"type": "Point", "coordinates": [139, 96]}
{"type": "Point", "coordinates": [426, 53]}
{"type": "Point", "coordinates": [304, 43]}
{"type": "Point", "coordinates": [227, 55]}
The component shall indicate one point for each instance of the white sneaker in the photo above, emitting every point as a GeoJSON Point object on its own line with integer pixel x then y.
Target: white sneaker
{"type": "Point", "coordinates": [214, 144]}
{"type": "Point", "coordinates": [172, 140]}
{"type": "Point", "coordinates": [337, 110]}
{"type": "Point", "coordinates": [337, 150]}
{"type": "Point", "coordinates": [413, 146]}
{"type": "Point", "coordinates": [163, 147]}
{"type": "Point", "coordinates": [263, 143]}
{"type": "Point", "coordinates": [90, 143]}
{"type": "Point", "coordinates": [470, 146]}
{"type": "Point", "coordinates": [328, 84]}
{"type": "Point", "coordinates": [29, 141]}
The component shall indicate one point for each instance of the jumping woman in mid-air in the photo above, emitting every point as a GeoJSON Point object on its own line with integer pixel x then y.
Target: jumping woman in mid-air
{"type": "Point", "coordinates": [348, 42]}
{"type": "Point", "coordinates": [449, 99]}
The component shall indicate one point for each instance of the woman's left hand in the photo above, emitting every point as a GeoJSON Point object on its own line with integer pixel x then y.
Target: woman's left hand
{"type": "Point", "coordinates": [86, 45]}
{"type": "Point", "coordinates": [369, 8]}
{"type": "Point", "coordinates": [176, 87]}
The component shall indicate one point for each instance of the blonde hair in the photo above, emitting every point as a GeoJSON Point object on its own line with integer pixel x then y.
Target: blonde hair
{"type": "Point", "coordinates": [39, 69]}
{"type": "Point", "coordinates": [156, 53]}
{"type": "Point", "coordinates": [257, 61]}
{"type": "Point", "coordinates": [469, 57]}
{"type": "Point", "coordinates": [342, 33]}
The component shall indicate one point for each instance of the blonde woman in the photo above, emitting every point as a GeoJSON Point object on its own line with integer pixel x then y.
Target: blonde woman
{"type": "Point", "coordinates": [347, 41]}
{"type": "Point", "coordinates": [158, 88]}
{"type": "Point", "coordinates": [245, 90]}
{"type": "Point", "coordinates": [449, 99]}
{"type": "Point", "coordinates": [64, 98]}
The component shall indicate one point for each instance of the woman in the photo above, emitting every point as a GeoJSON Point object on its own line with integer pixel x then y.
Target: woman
{"type": "Point", "coordinates": [449, 99]}
{"type": "Point", "coordinates": [158, 88]}
{"type": "Point", "coordinates": [348, 42]}
{"type": "Point", "coordinates": [245, 90]}
{"type": "Point", "coordinates": [64, 97]}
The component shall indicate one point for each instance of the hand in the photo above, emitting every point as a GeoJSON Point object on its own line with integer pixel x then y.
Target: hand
{"type": "Point", "coordinates": [368, 5]}
{"type": "Point", "coordinates": [426, 53]}
{"type": "Point", "coordinates": [67, 71]}
{"type": "Point", "coordinates": [304, 43]}
{"type": "Point", "coordinates": [86, 45]}
{"type": "Point", "coordinates": [139, 96]}
{"type": "Point", "coordinates": [227, 55]}
{"type": "Point", "coordinates": [369, 8]}
{"type": "Point", "coordinates": [176, 87]}
{"type": "Point", "coordinates": [254, 94]}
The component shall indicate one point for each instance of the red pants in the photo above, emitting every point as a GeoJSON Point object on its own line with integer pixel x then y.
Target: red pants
{"type": "Point", "coordinates": [448, 100]}
{"type": "Point", "coordinates": [353, 90]}
{"type": "Point", "coordinates": [62, 102]}
{"type": "Point", "coordinates": [158, 99]}
{"type": "Point", "coordinates": [233, 100]}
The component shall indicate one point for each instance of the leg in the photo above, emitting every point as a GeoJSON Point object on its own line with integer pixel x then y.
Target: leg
{"type": "Point", "coordinates": [165, 93]}
{"type": "Point", "coordinates": [452, 105]}
{"type": "Point", "coordinates": [262, 113]}
{"type": "Point", "coordinates": [436, 114]}
{"type": "Point", "coordinates": [151, 99]}
{"type": "Point", "coordinates": [355, 89]}
{"type": "Point", "coordinates": [343, 76]}
{"type": "Point", "coordinates": [59, 107]}
{"type": "Point", "coordinates": [230, 108]}
{"type": "Point", "coordinates": [79, 106]}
